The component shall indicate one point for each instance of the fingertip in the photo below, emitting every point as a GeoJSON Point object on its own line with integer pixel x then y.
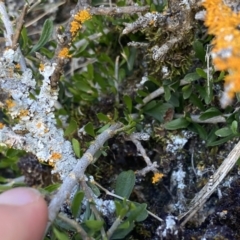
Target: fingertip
{"type": "Point", "coordinates": [23, 218]}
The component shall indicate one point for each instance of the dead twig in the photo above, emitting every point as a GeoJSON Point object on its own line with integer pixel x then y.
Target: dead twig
{"type": "Point", "coordinates": [19, 26]}
{"type": "Point", "coordinates": [215, 180]}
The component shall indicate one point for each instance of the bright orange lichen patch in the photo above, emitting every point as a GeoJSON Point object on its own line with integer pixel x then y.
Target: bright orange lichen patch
{"type": "Point", "coordinates": [75, 26]}
{"type": "Point", "coordinates": [78, 19]}
{"type": "Point", "coordinates": [82, 16]}
{"type": "Point", "coordinates": [10, 103]}
{"type": "Point", "coordinates": [56, 156]}
{"type": "Point", "coordinates": [157, 177]}
{"type": "Point", "coordinates": [41, 67]}
{"type": "Point", "coordinates": [2, 125]}
{"type": "Point", "coordinates": [64, 53]}
{"type": "Point", "coordinates": [224, 24]}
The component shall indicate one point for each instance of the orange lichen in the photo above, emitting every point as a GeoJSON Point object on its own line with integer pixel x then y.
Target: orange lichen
{"type": "Point", "coordinates": [75, 26]}
{"type": "Point", "coordinates": [10, 103]}
{"type": "Point", "coordinates": [224, 24]}
{"type": "Point", "coordinates": [17, 66]}
{"type": "Point", "coordinates": [157, 177]}
{"type": "Point", "coordinates": [2, 125]}
{"type": "Point", "coordinates": [39, 125]}
{"type": "Point", "coordinates": [82, 16]}
{"type": "Point", "coordinates": [41, 67]}
{"type": "Point", "coordinates": [56, 156]}
{"type": "Point", "coordinates": [151, 22]}
{"type": "Point", "coordinates": [23, 113]}
{"type": "Point", "coordinates": [64, 53]}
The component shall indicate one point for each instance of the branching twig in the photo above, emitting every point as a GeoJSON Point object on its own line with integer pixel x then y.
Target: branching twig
{"type": "Point", "coordinates": [121, 198]}
{"type": "Point", "coordinates": [75, 225]}
{"type": "Point", "coordinates": [136, 138]}
{"type": "Point", "coordinates": [78, 172]}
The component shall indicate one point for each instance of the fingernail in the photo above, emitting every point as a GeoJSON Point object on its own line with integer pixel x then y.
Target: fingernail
{"type": "Point", "coordinates": [19, 196]}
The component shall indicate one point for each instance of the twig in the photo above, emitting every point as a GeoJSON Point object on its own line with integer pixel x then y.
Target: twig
{"type": "Point", "coordinates": [216, 179]}
{"type": "Point", "coordinates": [213, 120]}
{"type": "Point", "coordinates": [75, 225]}
{"type": "Point", "coordinates": [156, 93]}
{"type": "Point", "coordinates": [9, 33]}
{"type": "Point", "coordinates": [78, 172]}
{"type": "Point", "coordinates": [121, 198]}
{"type": "Point", "coordinates": [19, 26]}
{"type": "Point", "coordinates": [158, 53]}
{"type": "Point", "coordinates": [135, 138]}
{"type": "Point", "coordinates": [44, 14]}
{"type": "Point", "coordinates": [116, 80]}
{"type": "Point", "coordinates": [14, 181]}
{"type": "Point", "coordinates": [114, 226]}
{"type": "Point", "coordinates": [119, 10]}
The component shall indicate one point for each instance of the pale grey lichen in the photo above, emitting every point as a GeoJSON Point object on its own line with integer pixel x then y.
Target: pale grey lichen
{"type": "Point", "coordinates": [35, 116]}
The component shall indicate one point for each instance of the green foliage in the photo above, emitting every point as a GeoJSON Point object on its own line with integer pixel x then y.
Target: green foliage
{"type": "Point", "coordinates": [101, 87]}
{"type": "Point", "coordinates": [45, 35]}
{"type": "Point", "coordinates": [125, 183]}
{"type": "Point", "coordinates": [76, 203]}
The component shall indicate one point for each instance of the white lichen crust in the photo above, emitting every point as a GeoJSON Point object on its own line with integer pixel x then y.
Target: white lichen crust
{"type": "Point", "coordinates": [35, 117]}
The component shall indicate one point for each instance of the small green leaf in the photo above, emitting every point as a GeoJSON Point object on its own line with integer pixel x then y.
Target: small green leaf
{"type": "Point", "coordinates": [224, 132]}
{"type": "Point", "coordinates": [118, 206]}
{"type": "Point", "coordinates": [201, 73]}
{"type": "Point", "coordinates": [221, 76]}
{"type": "Point", "coordinates": [197, 102]}
{"type": "Point", "coordinates": [80, 50]}
{"type": "Point", "coordinates": [139, 213]}
{"type": "Point", "coordinates": [45, 35]}
{"type": "Point", "coordinates": [76, 203]}
{"type": "Point", "coordinates": [176, 124]}
{"type": "Point", "coordinates": [52, 187]}
{"type": "Point", "coordinates": [157, 110]}
{"type": "Point", "coordinates": [76, 147]}
{"type": "Point", "coordinates": [128, 102]}
{"type": "Point", "coordinates": [94, 225]}
{"type": "Point", "coordinates": [221, 141]}
{"type": "Point", "coordinates": [187, 91]}
{"type": "Point", "coordinates": [95, 189]}
{"type": "Point", "coordinates": [123, 230]}
{"type": "Point", "coordinates": [234, 127]}
{"type": "Point", "coordinates": [102, 129]}
{"type": "Point", "coordinates": [60, 235]}
{"type": "Point", "coordinates": [200, 130]}
{"type": "Point", "coordinates": [72, 127]}
{"type": "Point", "coordinates": [190, 77]}
{"type": "Point", "coordinates": [25, 39]}
{"type": "Point", "coordinates": [89, 129]}
{"type": "Point", "coordinates": [210, 113]}
{"type": "Point", "coordinates": [199, 50]}
{"type": "Point", "coordinates": [102, 117]}
{"type": "Point", "coordinates": [125, 183]}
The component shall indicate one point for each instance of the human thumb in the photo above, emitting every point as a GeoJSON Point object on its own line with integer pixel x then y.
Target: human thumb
{"type": "Point", "coordinates": [23, 214]}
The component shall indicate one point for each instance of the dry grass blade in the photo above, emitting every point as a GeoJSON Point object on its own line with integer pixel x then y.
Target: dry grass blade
{"type": "Point", "coordinates": [216, 179]}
